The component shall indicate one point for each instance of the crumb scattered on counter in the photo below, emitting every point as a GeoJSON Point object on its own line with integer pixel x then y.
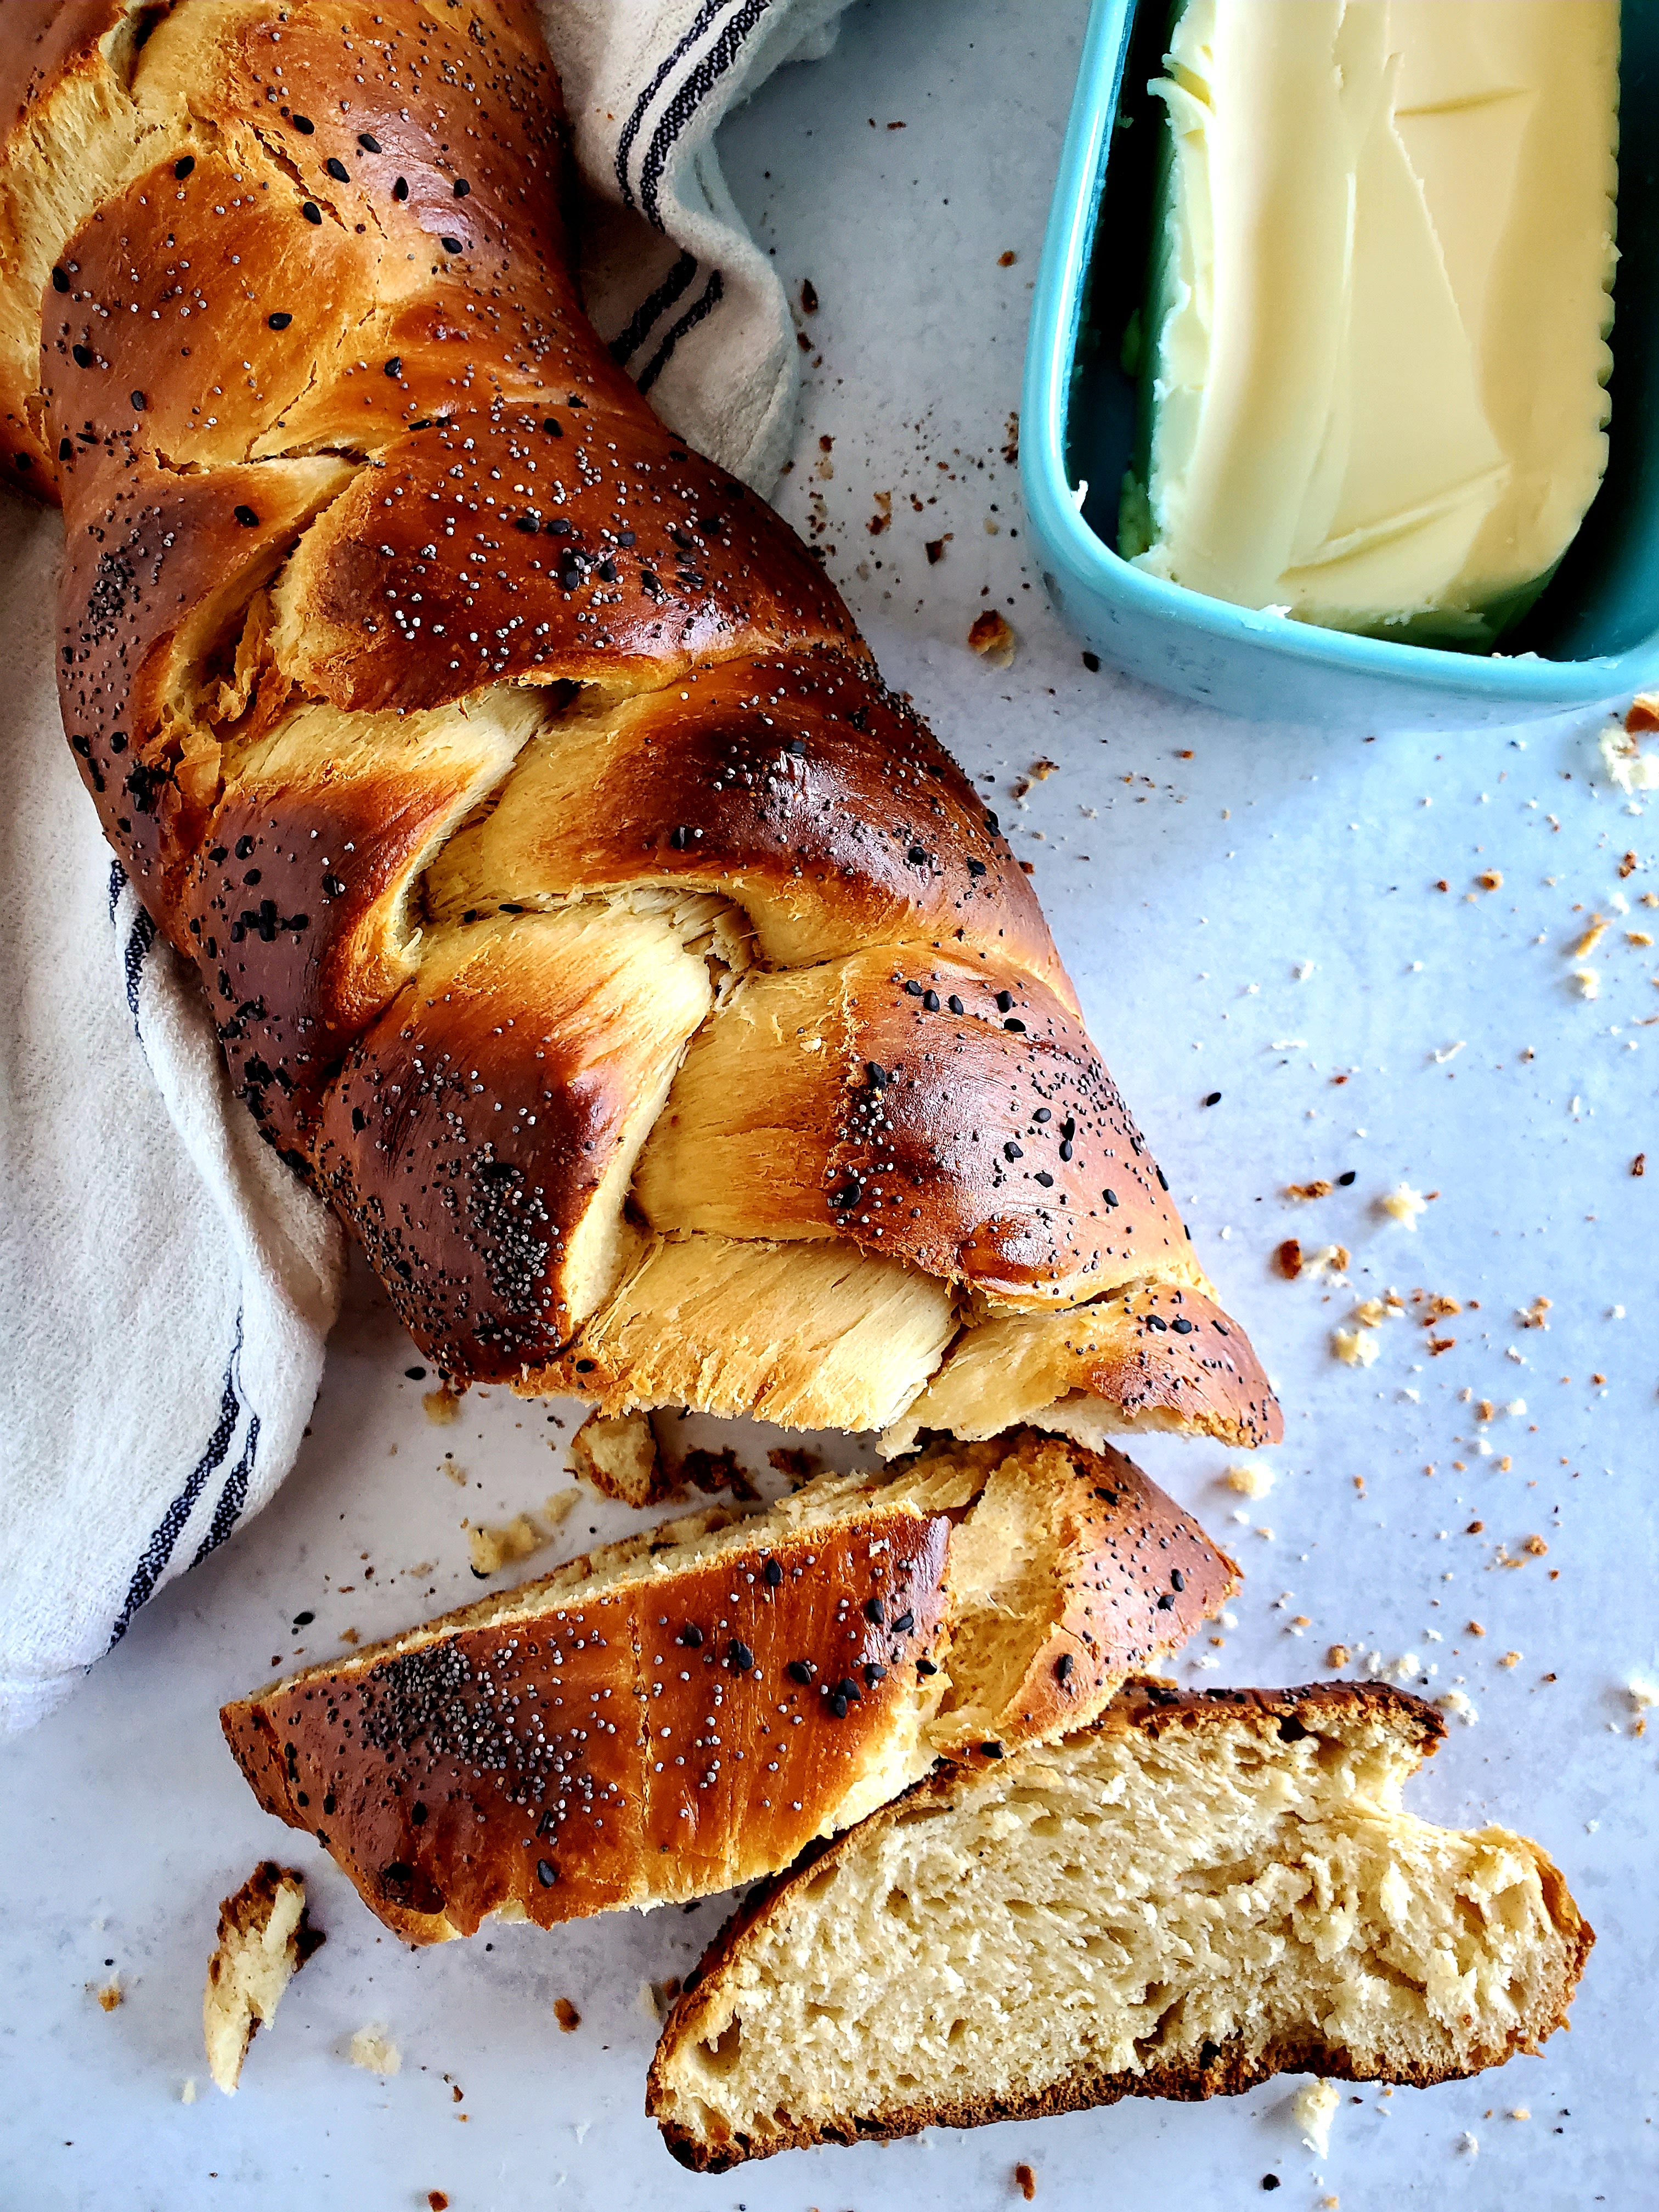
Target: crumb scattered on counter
{"type": "Point", "coordinates": [110, 1993]}
{"type": "Point", "coordinates": [991, 637]}
{"type": "Point", "coordinates": [440, 1405]}
{"type": "Point", "coordinates": [436, 2201]}
{"type": "Point", "coordinates": [1338, 1656]}
{"type": "Point", "coordinates": [566, 2013]}
{"type": "Point", "coordinates": [1458, 1705]}
{"type": "Point", "coordinates": [1249, 1477]}
{"type": "Point", "coordinates": [373, 2049]}
{"type": "Point", "coordinates": [1355, 1347]}
{"type": "Point", "coordinates": [1624, 762]}
{"type": "Point", "coordinates": [1403, 1205]}
{"type": "Point", "coordinates": [1288, 1259]}
{"type": "Point", "coordinates": [1308, 1190]}
{"type": "Point", "coordinates": [187, 2094]}
{"type": "Point", "coordinates": [1314, 2110]}
{"type": "Point", "coordinates": [495, 1545]}
{"type": "Point", "coordinates": [1024, 2177]}
{"type": "Point", "coordinates": [265, 1937]}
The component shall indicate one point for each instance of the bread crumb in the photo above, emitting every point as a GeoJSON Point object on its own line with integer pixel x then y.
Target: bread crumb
{"type": "Point", "coordinates": [1592, 936]}
{"type": "Point", "coordinates": [1588, 982]}
{"type": "Point", "coordinates": [1624, 762]}
{"type": "Point", "coordinates": [1370, 1312]}
{"type": "Point", "coordinates": [440, 1405]}
{"type": "Point", "coordinates": [1288, 1259]}
{"type": "Point", "coordinates": [265, 1937]}
{"type": "Point", "coordinates": [1510, 1659]}
{"type": "Point", "coordinates": [566, 2013]}
{"type": "Point", "coordinates": [1468, 2144]}
{"type": "Point", "coordinates": [1403, 1205]}
{"type": "Point", "coordinates": [1314, 2110]}
{"type": "Point", "coordinates": [495, 1546]}
{"type": "Point", "coordinates": [373, 2049]}
{"type": "Point", "coordinates": [1329, 1260]}
{"type": "Point", "coordinates": [187, 2094]}
{"type": "Point", "coordinates": [1024, 2179]}
{"type": "Point", "coordinates": [111, 1994]}
{"type": "Point", "coordinates": [351, 1636]}
{"type": "Point", "coordinates": [1355, 1347]}
{"type": "Point", "coordinates": [1491, 879]}
{"type": "Point", "coordinates": [1642, 1693]}
{"type": "Point", "coordinates": [1458, 1705]}
{"type": "Point", "coordinates": [1532, 1316]}
{"type": "Point", "coordinates": [1519, 2112]}
{"type": "Point", "coordinates": [436, 2201]}
{"type": "Point", "coordinates": [1304, 1191]}
{"type": "Point", "coordinates": [1249, 1477]}
{"type": "Point", "coordinates": [993, 638]}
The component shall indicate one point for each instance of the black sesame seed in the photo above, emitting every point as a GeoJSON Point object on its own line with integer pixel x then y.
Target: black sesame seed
{"type": "Point", "coordinates": [246, 517]}
{"type": "Point", "coordinates": [546, 1873]}
{"type": "Point", "coordinates": [137, 400]}
{"type": "Point", "coordinates": [926, 1666]}
{"type": "Point", "coordinates": [848, 1689]}
{"type": "Point", "coordinates": [1042, 1114]}
{"type": "Point", "coordinates": [679, 837]}
{"type": "Point", "coordinates": [992, 1750]}
{"type": "Point", "coordinates": [880, 1078]}
{"type": "Point", "coordinates": [400, 190]}
{"type": "Point", "coordinates": [279, 321]}
{"type": "Point", "coordinates": [1065, 1148]}
{"type": "Point", "coordinates": [1270, 2181]}
{"type": "Point", "coordinates": [838, 1707]}
{"type": "Point", "coordinates": [992, 824]}
{"type": "Point", "coordinates": [310, 211]}
{"type": "Point", "coordinates": [245, 848]}
{"type": "Point", "coordinates": [1182, 1326]}
{"type": "Point", "coordinates": [184, 164]}
{"type": "Point", "coordinates": [930, 1000]}
{"type": "Point", "coordinates": [462, 188]}
{"type": "Point", "coordinates": [450, 244]}
{"type": "Point", "coordinates": [848, 1196]}
{"type": "Point", "coordinates": [338, 170]}
{"type": "Point", "coordinates": [1005, 1001]}
{"type": "Point", "coordinates": [1163, 1179]}
{"type": "Point", "coordinates": [917, 856]}
{"type": "Point", "coordinates": [1213, 1098]}
{"type": "Point", "coordinates": [1092, 662]}
{"type": "Point", "coordinates": [773, 1574]}
{"type": "Point", "coordinates": [65, 449]}
{"type": "Point", "coordinates": [394, 367]}
{"type": "Point", "coordinates": [1165, 1602]}
{"type": "Point", "coordinates": [1110, 1197]}
{"type": "Point", "coordinates": [739, 1653]}
{"type": "Point", "coordinates": [1019, 1028]}
{"type": "Point", "coordinates": [954, 1003]}
{"type": "Point", "coordinates": [1177, 1580]}
{"type": "Point", "coordinates": [799, 1671]}
{"type": "Point", "coordinates": [1011, 1150]}
{"type": "Point", "coordinates": [1063, 1667]}
{"type": "Point", "coordinates": [557, 527]}
{"type": "Point", "coordinates": [556, 429]}
{"type": "Point", "coordinates": [876, 1611]}
{"type": "Point", "coordinates": [976, 868]}
{"type": "Point", "coordinates": [416, 1374]}
{"type": "Point", "coordinates": [905, 1622]}
{"type": "Point", "coordinates": [872, 1674]}
{"type": "Point", "coordinates": [914, 989]}
{"type": "Point", "coordinates": [1045, 1178]}
{"type": "Point", "coordinates": [304, 1619]}
{"type": "Point", "coordinates": [304, 124]}
{"type": "Point", "coordinates": [1348, 1178]}
{"type": "Point", "coordinates": [83, 356]}
{"type": "Point", "coordinates": [368, 142]}
{"type": "Point", "coordinates": [60, 282]}
{"type": "Point", "coordinates": [690, 1635]}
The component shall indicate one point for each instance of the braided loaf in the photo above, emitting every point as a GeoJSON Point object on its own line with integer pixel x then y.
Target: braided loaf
{"type": "Point", "coordinates": [635, 974]}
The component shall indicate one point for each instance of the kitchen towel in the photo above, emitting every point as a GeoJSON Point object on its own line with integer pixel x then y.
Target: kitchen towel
{"type": "Point", "coordinates": [168, 1284]}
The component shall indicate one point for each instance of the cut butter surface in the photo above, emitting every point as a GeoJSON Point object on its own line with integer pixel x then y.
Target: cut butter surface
{"type": "Point", "coordinates": [1373, 382]}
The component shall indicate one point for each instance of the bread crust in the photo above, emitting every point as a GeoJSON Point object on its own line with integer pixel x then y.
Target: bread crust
{"type": "Point", "coordinates": [1153, 1708]}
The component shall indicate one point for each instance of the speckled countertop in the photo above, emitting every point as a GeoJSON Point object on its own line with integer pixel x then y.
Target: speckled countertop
{"type": "Point", "coordinates": [1367, 950]}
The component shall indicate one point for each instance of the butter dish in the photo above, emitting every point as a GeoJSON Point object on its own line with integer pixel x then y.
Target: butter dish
{"type": "Point", "coordinates": [1594, 634]}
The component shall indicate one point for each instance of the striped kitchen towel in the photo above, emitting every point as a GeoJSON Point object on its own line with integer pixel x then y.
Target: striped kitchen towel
{"type": "Point", "coordinates": [689, 304]}
{"type": "Point", "coordinates": [167, 1284]}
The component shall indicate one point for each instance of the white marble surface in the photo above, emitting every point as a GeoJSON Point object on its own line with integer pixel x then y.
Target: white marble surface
{"type": "Point", "coordinates": [1190, 866]}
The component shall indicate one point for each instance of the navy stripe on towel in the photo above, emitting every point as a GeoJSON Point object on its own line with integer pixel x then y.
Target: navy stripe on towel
{"type": "Point", "coordinates": [705, 304]}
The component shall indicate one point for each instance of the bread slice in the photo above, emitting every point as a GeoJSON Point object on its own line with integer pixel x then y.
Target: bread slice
{"type": "Point", "coordinates": [688, 1710]}
{"type": "Point", "coordinates": [265, 1937]}
{"type": "Point", "coordinates": [1191, 1895]}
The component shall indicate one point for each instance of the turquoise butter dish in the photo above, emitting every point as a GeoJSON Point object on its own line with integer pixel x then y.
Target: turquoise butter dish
{"type": "Point", "coordinates": [1593, 637]}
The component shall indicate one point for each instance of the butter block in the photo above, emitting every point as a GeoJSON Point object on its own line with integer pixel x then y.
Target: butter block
{"type": "Point", "coordinates": [1373, 384]}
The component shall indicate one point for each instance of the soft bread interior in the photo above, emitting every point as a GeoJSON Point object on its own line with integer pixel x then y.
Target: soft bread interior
{"type": "Point", "coordinates": [1121, 1912]}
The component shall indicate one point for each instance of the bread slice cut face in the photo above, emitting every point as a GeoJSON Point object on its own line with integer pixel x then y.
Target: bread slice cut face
{"type": "Point", "coordinates": [688, 1710]}
{"type": "Point", "coordinates": [1191, 1894]}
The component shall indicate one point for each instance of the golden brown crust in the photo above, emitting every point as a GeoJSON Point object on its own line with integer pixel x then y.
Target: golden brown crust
{"type": "Point", "coordinates": [646, 1744]}
{"type": "Point", "coordinates": [1150, 1707]}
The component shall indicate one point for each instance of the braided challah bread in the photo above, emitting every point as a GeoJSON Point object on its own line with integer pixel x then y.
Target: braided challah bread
{"type": "Point", "coordinates": [635, 974]}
